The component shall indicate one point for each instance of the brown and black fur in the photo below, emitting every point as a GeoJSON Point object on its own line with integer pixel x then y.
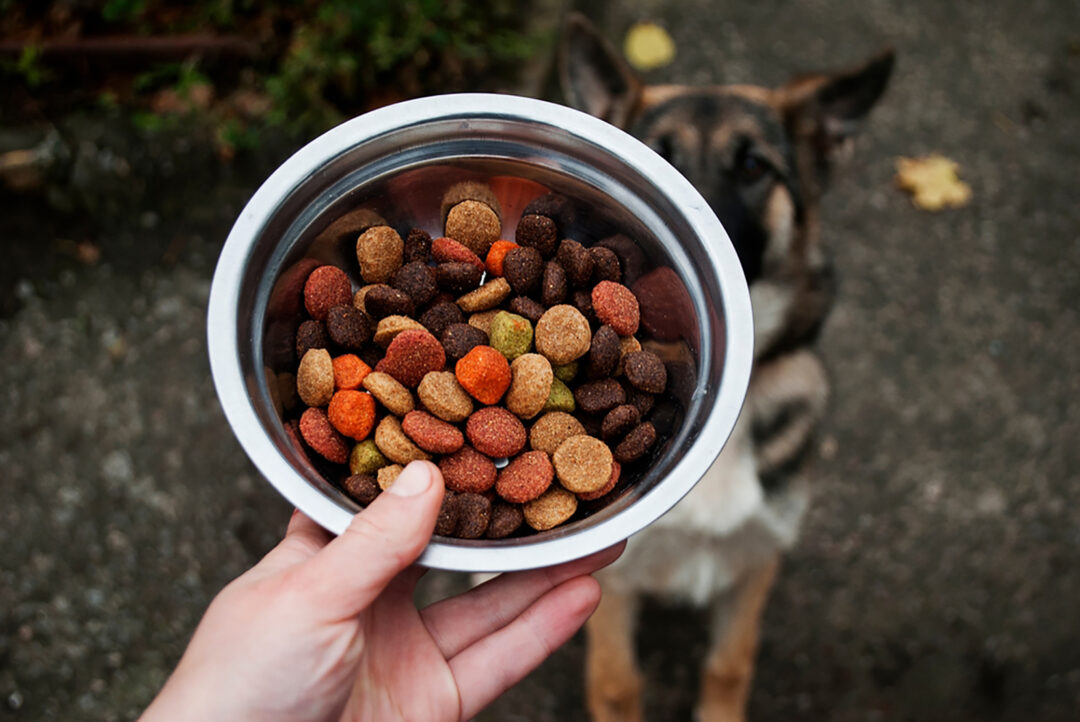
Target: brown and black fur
{"type": "Point", "coordinates": [761, 157]}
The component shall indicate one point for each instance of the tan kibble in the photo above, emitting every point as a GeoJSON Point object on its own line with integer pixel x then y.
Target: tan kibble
{"type": "Point", "coordinates": [379, 251]}
{"type": "Point", "coordinates": [389, 392]}
{"type": "Point", "coordinates": [583, 463]}
{"type": "Point", "coordinates": [550, 509]}
{"type": "Point", "coordinates": [562, 334]}
{"type": "Point", "coordinates": [530, 385]}
{"type": "Point", "coordinates": [552, 429]}
{"type": "Point", "coordinates": [315, 377]}
{"type": "Point", "coordinates": [395, 445]}
{"type": "Point", "coordinates": [469, 191]}
{"type": "Point", "coordinates": [483, 320]}
{"type": "Point", "coordinates": [350, 225]}
{"type": "Point", "coordinates": [443, 396]}
{"type": "Point", "coordinates": [387, 475]}
{"type": "Point", "coordinates": [627, 344]}
{"type": "Point", "coordinates": [474, 225]}
{"type": "Point", "coordinates": [390, 326]}
{"type": "Point", "coordinates": [488, 296]}
{"type": "Point", "coordinates": [359, 296]}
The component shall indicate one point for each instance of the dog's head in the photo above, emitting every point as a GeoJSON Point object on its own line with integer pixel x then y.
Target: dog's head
{"type": "Point", "coordinates": [760, 156]}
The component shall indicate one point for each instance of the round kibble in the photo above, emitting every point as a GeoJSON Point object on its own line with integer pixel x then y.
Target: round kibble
{"type": "Point", "coordinates": [387, 475]}
{"type": "Point", "coordinates": [483, 320]}
{"type": "Point", "coordinates": [443, 396]}
{"type": "Point", "coordinates": [446, 522]}
{"type": "Point", "coordinates": [522, 269]}
{"type": "Point", "coordinates": [599, 396]}
{"type": "Point", "coordinates": [394, 444]}
{"type": "Point", "coordinates": [315, 377]}
{"type": "Point", "coordinates": [530, 385]}
{"type": "Point", "coordinates": [473, 224]}
{"type": "Point", "coordinates": [582, 301]}
{"type": "Point", "coordinates": [617, 306]}
{"type": "Point", "coordinates": [417, 246]}
{"type": "Point", "coordinates": [496, 432]}
{"type": "Point", "coordinates": [460, 338]}
{"type": "Point", "coordinates": [552, 429]}
{"type": "Point", "coordinates": [627, 344]}
{"type": "Point", "coordinates": [431, 434]}
{"type": "Point", "coordinates": [619, 421]}
{"type": "Point", "coordinates": [553, 289]}
{"type": "Point", "coordinates": [457, 277]}
{"type": "Point", "coordinates": [605, 264]}
{"type": "Point", "coordinates": [474, 515]}
{"type": "Point", "coordinates": [511, 335]}
{"type": "Point", "coordinates": [561, 398]}
{"type": "Point", "coordinates": [320, 435]}
{"type": "Point", "coordinates": [576, 261]}
{"type": "Point", "coordinates": [349, 371]}
{"type": "Point", "coordinates": [384, 301]}
{"type": "Point", "coordinates": [526, 308]}
{"type": "Point", "coordinates": [645, 372]}
{"type": "Point", "coordinates": [440, 316]}
{"type": "Point", "coordinates": [379, 250]}
{"type": "Point", "coordinates": [563, 334]}
{"type": "Point", "coordinates": [366, 458]}
{"type": "Point", "coordinates": [640, 400]}
{"type": "Point", "coordinates": [349, 327]}
{"type": "Point", "coordinates": [484, 373]}
{"type": "Point", "coordinates": [495, 257]}
{"type": "Point", "coordinates": [360, 297]}
{"type": "Point", "coordinates": [505, 520]}
{"type": "Point", "coordinates": [467, 470]}
{"type": "Point", "coordinates": [604, 353]}
{"type": "Point", "coordinates": [311, 334]}
{"type": "Point", "coordinates": [411, 355]}
{"type": "Point", "coordinates": [632, 260]}
{"type": "Point", "coordinates": [362, 487]}
{"type": "Point", "coordinates": [447, 250]}
{"type": "Point", "coordinates": [555, 206]}
{"type": "Point", "coordinates": [389, 392]}
{"type": "Point", "coordinates": [616, 471]}
{"type": "Point", "coordinates": [352, 413]}
{"type": "Point", "coordinates": [469, 191]}
{"type": "Point", "coordinates": [539, 232]}
{"type": "Point", "coordinates": [566, 372]}
{"type": "Point", "coordinates": [551, 509]}
{"type": "Point", "coordinates": [488, 296]}
{"type": "Point", "coordinates": [326, 287]}
{"type": "Point", "coordinates": [636, 443]}
{"type": "Point", "coordinates": [525, 477]}
{"type": "Point", "coordinates": [583, 463]}
{"type": "Point", "coordinates": [417, 281]}
{"type": "Point", "coordinates": [391, 326]}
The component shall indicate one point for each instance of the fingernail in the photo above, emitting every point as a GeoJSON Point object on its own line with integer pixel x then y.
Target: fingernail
{"type": "Point", "coordinates": [413, 481]}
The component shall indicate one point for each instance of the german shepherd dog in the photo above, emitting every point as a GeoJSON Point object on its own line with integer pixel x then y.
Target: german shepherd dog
{"type": "Point", "coordinates": [761, 158]}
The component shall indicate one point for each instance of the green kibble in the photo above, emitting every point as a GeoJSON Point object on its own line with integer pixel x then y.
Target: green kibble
{"type": "Point", "coordinates": [366, 458]}
{"type": "Point", "coordinates": [561, 398]}
{"type": "Point", "coordinates": [566, 372]}
{"type": "Point", "coordinates": [511, 335]}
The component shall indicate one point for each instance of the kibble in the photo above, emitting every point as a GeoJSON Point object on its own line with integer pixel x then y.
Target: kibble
{"type": "Point", "coordinates": [389, 392]}
{"type": "Point", "coordinates": [315, 377]}
{"type": "Point", "coordinates": [525, 477]}
{"type": "Point", "coordinates": [605, 264]}
{"type": "Point", "coordinates": [360, 297]}
{"type": "Point", "coordinates": [555, 206]}
{"type": "Point", "coordinates": [362, 487]}
{"type": "Point", "coordinates": [530, 385]}
{"type": "Point", "coordinates": [561, 398]}
{"type": "Point", "coordinates": [473, 515]}
{"type": "Point", "coordinates": [619, 421]}
{"type": "Point", "coordinates": [440, 317]}
{"type": "Point", "coordinates": [554, 286]}
{"type": "Point", "coordinates": [446, 522]}
{"type": "Point", "coordinates": [384, 301]}
{"type": "Point", "coordinates": [417, 246]}
{"type": "Point", "coordinates": [484, 373]}
{"type": "Point", "coordinates": [469, 191]}
{"type": "Point", "coordinates": [319, 434]}
{"type": "Point", "coordinates": [582, 301]}
{"type": "Point", "coordinates": [522, 269]}
{"type": "Point", "coordinates": [391, 326]}
{"type": "Point", "coordinates": [604, 353]}
{"type": "Point", "coordinates": [640, 400]}
{"type": "Point", "coordinates": [467, 470]}
{"type": "Point", "coordinates": [627, 344]}
{"type": "Point", "coordinates": [411, 355]}
{"type": "Point", "coordinates": [511, 335]}
{"type": "Point", "coordinates": [488, 296]}
{"type": "Point", "coordinates": [554, 507]}
{"type": "Point", "coordinates": [645, 372]}
{"type": "Point", "coordinates": [552, 429]}
{"type": "Point", "coordinates": [326, 287]}
{"type": "Point", "coordinates": [395, 445]}
{"type": "Point", "coordinates": [386, 476]}
{"type": "Point", "coordinates": [496, 432]}
{"type": "Point", "coordinates": [583, 463]}
{"type": "Point", "coordinates": [616, 471]}
{"type": "Point", "coordinates": [526, 308]}
{"type": "Point", "coordinates": [366, 458]}
{"type": "Point", "coordinates": [475, 225]}
{"type": "Point", "coordinates": [349, 371]}
{"type": "Point", "coordinates": [456, 277]}
{"type": "Point", "coordinates": [443, 396]}
{"type": "Point", "coordinates": [636, 443]}
{"type": "Point", "coordinates": [352, 413]}
{"type": "Point", "coordinates": [417, 281]}
{"type": "Point", "coordinates": [599, 396]}
{"type": "Point", "coordinates": [505, 520]}
{"type": "Point", "coordinates": [539, 232]}
{"type": "Point", "coordinates": [447, 250]}
{"type": "Point", "coordinates": [432, 434]}
{"type": "Point", "coordinates": [616, 305]}
{"type": "Point", "coordinates": [567, 372]}
{"type": "Point", "coordinates": [496, 255]}
{"type": "Point", "coordinates": [460, 338]}
{"type": "Point", "coordinates": [379, 251]}
{"type": "Point", "coordinates": [576, 261]}
{"type": "Point", "coordinates": [311, 334]}
{"type": "Point", "coordinates": [563, 334]}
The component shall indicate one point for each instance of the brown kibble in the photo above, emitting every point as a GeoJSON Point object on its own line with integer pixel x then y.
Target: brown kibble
{"type": "Point", "coordinates": [552, 429]}
{"type": "Point", "coordinates": [576, 261]}
{"type": "Point", "coordinates": [417, 246]}
{"type": "Point", "coordinates": [525, 477]}
{"type": "Point", "coordinates": [460, 338]}
{"type": "Point", "coordinates": [474, 515]}
{"type": "Point", "coordinates": [562, 334]}
{"type": "Point", "coordinates": [360, 297]}
{"type": "Point", "coordinates": [483, 320]}
{"type": "Point", "coordinates": [526, 308]}
{"type": "Point", "coordinates": [619, 421]}
{"type": "Point", "coordinates": [387, 475]}
{"type": "Point", "coordinates": [432, 434]}
{"type": "Point", "coordinates": [505, 520]}
{"type": "Point", "coordinates": [555, 206]}
{"type": "Point", "coordinates": [443, 396]}
{"type": "Point", "coordinates": [554, 507]}
{"type": "Point", "coordinates": [605, 264]}
{"type": "Point", "coordinates": [636, 443]}
{"type": "Point", "coordinates": [326, 287]}
{"type": "Point", "coordinates": [530, 385]}
{"type": "Point", "coordinates": [488, 296]}
{"type": "Point", "coordinates": [394, 444]}
{"type": "Point", "coordinates": [604, 353]}
{"type": "Point", "coordinates": [349, 327]}
{"type": "Point", "coordinates": [539, 232]}
{"type": "Point", "coordinates": [391, 326]}
{"type": "Point", "coordinates": [315, 377]}
{"type": "Point", "coordinates": [467, 470]}
{"type": "Point", "coordinates": [440, 316]}
{"type": "Point", "coordinates": [632, 260]}
{"type": "Point", "coordinates": [598, 396]}
{"type": "Point", "coordinates": [389, 392]}
{"type": "Point", "coordinates": [379, 250]}
{"type": "Point", "coordinates": [417, 281]}
{"type": "Point", "coordinates": [363, 488]}
{"type": "Point", "coordinates": [522, 268]}
{"type": "Point", "coordinates": [583, 463]}
{"type": "Point", "coordinates": [645, 372]}
{"type": "Point", "coordinates": [627, 344]}
{"type": "Point", "coordinates": [311, 334]}
{"type": "Point", "coordinates": [496, 432]}
{"type": "Point", "coordinates": [616, 471]}
{"type": "Point", "coordinates": [617, 306]}
{"type": "Point", "coordinates": [448, 517]}
{"type": "Point", "coordinates": [457, 277]}
{"type": "Point", "coordinates": [640, 400]}
{"type": "Point", "coordinates": [347, 227]}
{"type": "Point", "coordinates": [553, 290]}
{"type": "Point", "coordinates": [469, 191]}
{"type": "Point", "coordinates": [475, 225]}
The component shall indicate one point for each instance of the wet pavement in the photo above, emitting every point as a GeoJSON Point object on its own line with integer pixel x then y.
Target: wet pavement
{"type": "Point", "coordinates": [936, 576]}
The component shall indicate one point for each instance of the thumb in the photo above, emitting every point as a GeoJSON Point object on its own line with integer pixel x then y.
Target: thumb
{"type": "Point", "coordinates": [351, 571]}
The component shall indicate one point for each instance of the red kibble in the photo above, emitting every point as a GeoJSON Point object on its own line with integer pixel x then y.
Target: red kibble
{"type": "Point", "coordinates": [495, 256]}
{"type": "Point", "coordinates": [322, 437]}
{"type": "Point", "coordinates": [484, 373]}
{"type": "Point", "coordinates": [617, 306]}
{"type": "Point", "coordinates": [496, 432]}
{"type": "Point", "coordinates": [432, 434]}
{"type": "Point", "coordinates": [349, 371]}
{"type": "Point", "coordinates": [411, 355]}
{"type": "Point", "coordinates": [326, 287]}
{"type": "Point", "coordinates": [468, 470]}
{"type": "Point", "coordinates": [526, 477]}
{"type": "Point", "coordinates": [447, 250]}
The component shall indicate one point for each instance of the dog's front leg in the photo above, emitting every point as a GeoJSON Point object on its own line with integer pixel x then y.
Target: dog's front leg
{"type": "Point", "coordinates": [729, 667]}
{"type": "Point", "coordinates": [612, 679]}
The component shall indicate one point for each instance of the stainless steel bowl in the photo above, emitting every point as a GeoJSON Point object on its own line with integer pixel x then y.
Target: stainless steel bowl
{"type": "Point", "coordinates": [398, 160]}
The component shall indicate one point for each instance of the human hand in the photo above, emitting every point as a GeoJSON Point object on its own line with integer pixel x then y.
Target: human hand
{"type": "Point", "coordinates": [325, 628]}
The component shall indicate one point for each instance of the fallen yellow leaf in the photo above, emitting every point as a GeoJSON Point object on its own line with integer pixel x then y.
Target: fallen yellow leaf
{"type": "Point", "coordinates": [648, 46]}
{"type": "Point", "coordinates": [933, 182]}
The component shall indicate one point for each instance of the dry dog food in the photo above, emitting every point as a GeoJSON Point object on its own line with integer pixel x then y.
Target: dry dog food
{"type": "Point", "coordinates": [512, 364]}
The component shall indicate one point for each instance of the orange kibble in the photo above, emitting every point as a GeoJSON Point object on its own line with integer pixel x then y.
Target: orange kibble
{"type": "Point", "coordinates": [495, 256]}
{"type": "Point", "coordinates": [349, 371]}
{"type": "Point", "coordinates": [484, 373]}
{"type": "Point", "coordinates": [352, 413]}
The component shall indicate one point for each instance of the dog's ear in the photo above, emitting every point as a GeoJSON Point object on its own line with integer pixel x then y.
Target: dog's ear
{"type": "Point", "coordinates": [827, 109]}
{"type": "Point", "coordinates": [594, 76]}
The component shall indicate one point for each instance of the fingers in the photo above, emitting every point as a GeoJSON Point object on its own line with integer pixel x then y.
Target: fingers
{"type": "Point", "coordinates": [457, 622]}
{"type": "Point", "coordinates": [492, 665]}
{"type": "Point", "coordinates": [381, 541]}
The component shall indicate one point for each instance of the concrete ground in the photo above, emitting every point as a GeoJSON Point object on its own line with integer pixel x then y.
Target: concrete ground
{"type": "Point", "coordinates": [936, 576]}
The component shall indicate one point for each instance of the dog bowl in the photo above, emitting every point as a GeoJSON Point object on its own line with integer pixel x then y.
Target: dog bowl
{"type": "Point", "coordinates": [397, 161]}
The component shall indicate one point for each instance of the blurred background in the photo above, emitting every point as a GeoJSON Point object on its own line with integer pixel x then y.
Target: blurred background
{"type": "Point", "coordinates": [937, 574]}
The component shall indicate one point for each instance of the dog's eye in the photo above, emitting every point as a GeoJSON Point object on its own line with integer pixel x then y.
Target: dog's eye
{"type": "Point", "coordinates": [750, 167]}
